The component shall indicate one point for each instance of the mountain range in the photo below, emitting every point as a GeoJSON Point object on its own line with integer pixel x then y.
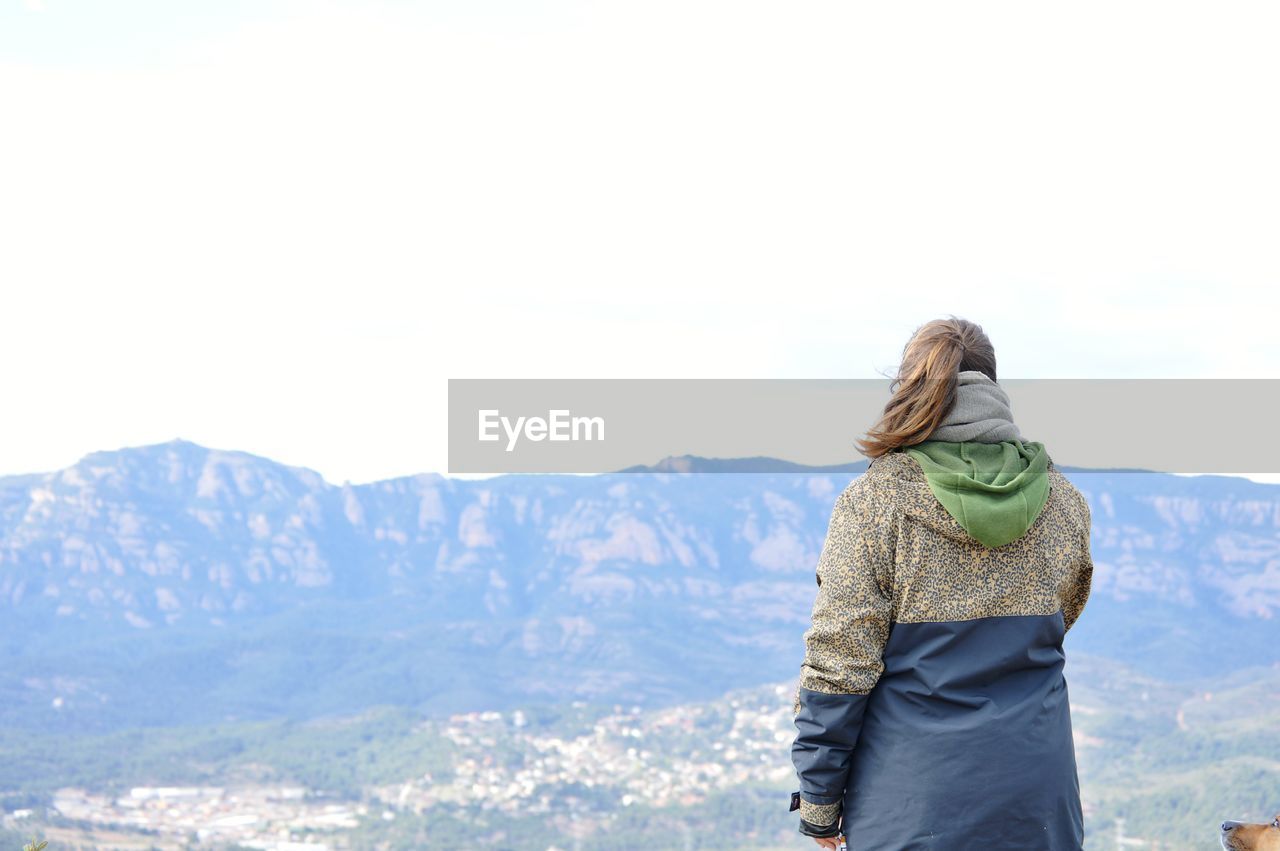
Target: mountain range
{"type": "Point", "coordinates": [174, 583]}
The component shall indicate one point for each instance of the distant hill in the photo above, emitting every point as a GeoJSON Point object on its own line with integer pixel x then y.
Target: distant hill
{"type": "Point", "coordinates": [759, 464]}
{"type": "Point", "coordinates": [172, 582]}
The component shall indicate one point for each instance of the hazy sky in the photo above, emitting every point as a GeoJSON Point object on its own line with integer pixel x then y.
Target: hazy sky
{"type": "Point", "coordinates": [281, 226]}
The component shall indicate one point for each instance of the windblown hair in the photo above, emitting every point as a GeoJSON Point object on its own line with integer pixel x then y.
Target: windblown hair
{"type": "Point", "coordinates": [925, 387]}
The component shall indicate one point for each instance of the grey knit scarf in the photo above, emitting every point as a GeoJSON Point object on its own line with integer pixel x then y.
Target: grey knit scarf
{"type": "Point", "coordinates": [981, 412]}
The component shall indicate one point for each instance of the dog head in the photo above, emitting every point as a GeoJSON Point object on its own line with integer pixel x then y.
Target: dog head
{"type": "Point", "coordinates": [1251, 837]}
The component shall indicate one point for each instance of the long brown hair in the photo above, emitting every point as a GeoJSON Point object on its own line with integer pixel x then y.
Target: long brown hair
{"type": "Point", "coordinates": [925, 387]}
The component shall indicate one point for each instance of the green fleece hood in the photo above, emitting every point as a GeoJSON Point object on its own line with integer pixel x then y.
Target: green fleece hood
{"type": "Point", "coordinates": [994, 490]}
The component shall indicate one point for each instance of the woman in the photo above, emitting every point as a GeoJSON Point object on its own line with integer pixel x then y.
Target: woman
{"type": "Point", "coordinates": [932, 710]}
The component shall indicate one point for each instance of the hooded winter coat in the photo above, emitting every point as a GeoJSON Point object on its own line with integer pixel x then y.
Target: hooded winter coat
{"type": "Point", "coordinates": [931, 710]}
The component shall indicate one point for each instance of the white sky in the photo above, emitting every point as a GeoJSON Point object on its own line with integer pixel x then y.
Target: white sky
{"type": "Point", "coordinates": [281, 226]}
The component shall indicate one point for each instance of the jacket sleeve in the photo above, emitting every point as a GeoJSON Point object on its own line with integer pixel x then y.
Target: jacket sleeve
{"type": "Point", "coordinates": [844, 650]}
{"type": "Point", "coordinates": [1079, 579]}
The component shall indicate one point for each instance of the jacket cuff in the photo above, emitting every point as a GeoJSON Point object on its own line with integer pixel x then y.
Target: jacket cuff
{"type": "Point", "coordinates": [819, 815]}
{"type": "Point", "coordinates": [829, 831]}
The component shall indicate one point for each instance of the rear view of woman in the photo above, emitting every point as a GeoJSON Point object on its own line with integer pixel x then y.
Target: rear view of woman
{"type": "Point", "coordinates": [932, 710]}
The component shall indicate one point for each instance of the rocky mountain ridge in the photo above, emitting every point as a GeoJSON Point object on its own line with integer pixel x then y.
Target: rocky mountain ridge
{"type": "Point", "coordinates": [664, 585]}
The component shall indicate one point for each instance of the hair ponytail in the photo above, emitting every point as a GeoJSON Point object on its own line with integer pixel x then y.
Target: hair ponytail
{"type": "Point", "coordinates": [925, 387]}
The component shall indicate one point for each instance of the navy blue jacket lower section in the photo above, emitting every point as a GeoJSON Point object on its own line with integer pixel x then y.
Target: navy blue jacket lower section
{"type": "Point", "coordinates": [964, 742]}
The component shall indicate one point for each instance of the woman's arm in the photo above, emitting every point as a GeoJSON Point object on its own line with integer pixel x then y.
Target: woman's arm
{"type": "Point", "coordinates": [843, 649]}
{"type": "Point", "coordinates": [1079, 580]}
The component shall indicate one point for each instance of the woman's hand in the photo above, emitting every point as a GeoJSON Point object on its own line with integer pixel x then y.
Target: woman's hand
{"type": "Point", "coordinates": [827, 842]}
